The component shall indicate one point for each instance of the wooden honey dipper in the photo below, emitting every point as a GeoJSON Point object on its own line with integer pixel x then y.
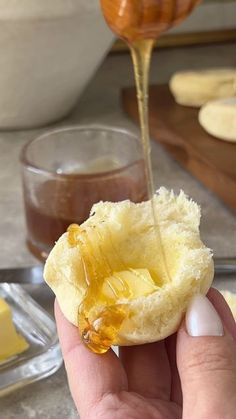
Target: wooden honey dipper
{"type": "Point", "coordinates": [133, 20]}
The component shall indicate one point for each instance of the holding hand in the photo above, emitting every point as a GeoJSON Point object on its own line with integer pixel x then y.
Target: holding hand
{"type": "Point", "coordinates": [191, 375]}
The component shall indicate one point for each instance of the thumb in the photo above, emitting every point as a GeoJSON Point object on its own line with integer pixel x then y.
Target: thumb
{"type": "Point", "coordinates": [206, 359]}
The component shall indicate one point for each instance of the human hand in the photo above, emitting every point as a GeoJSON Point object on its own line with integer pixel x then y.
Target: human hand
{"type": "Point", "coordinates": [189, 375]}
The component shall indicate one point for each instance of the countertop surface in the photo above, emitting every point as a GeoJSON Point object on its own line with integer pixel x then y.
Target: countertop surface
{"type": "Point", "coordinates": [50, 398]}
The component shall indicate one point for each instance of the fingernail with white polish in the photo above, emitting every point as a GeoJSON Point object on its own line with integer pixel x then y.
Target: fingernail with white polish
{"type": "Point", "coordinates": [202, 318]}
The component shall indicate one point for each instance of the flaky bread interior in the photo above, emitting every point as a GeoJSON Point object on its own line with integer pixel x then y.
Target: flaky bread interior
{"type": "Point", "coordinates": [195, 88]}
{"type": "Point", "coordinates": [125, 234]}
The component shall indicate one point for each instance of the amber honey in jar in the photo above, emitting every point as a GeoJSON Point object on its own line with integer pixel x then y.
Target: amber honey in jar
{"type": "Point", "coordinates": [66, 171]}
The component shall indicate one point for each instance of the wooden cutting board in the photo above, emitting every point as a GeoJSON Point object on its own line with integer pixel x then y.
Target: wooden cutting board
{"type": "Point", "coordinates": [176, 127]}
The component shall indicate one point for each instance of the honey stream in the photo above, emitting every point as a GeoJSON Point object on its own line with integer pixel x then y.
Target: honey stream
{"type": "Point", "coordinates": [141, 52]}
{"type": "Point", "coordinates": [101, 332]}
{"type": "Point", "coordinates": [139, 23]}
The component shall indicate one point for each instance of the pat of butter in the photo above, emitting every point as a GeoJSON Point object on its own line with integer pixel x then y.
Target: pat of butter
{"type": "Point", "coordinates": [133, 283]}
{"type": "Point", "coordinates": [11, 343]}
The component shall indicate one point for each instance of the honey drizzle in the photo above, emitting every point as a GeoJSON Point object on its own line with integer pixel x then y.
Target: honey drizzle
{"type": "Point", "coordinates": [141, 52]}
{"type": "Point", "coordinates": [137, 23]}
{"type": "Point", "coordinates": [100, 333]}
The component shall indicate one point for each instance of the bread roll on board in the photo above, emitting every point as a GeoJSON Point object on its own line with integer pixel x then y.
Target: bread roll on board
{"type": "Point", "coordinates": [195, 88]}
{"type": "Point", "coordinates": [218, 118]}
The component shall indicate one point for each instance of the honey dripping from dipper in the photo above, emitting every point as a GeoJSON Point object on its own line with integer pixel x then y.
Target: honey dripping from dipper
{"type": "Point", "coordinates": [139, 23]}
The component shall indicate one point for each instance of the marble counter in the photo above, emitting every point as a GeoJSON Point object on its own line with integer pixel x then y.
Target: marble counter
{"type": "Point", "coordinates": [50, 398]}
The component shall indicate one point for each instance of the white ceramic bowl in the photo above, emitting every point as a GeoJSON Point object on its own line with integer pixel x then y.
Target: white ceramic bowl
{"type": "Point", "coordinates": [49, 51]}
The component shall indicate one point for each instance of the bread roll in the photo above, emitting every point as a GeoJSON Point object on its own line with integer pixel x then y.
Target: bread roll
{"type": "Point", "coordinates": [195, 88]}
{"type": "Point", "coordinates": [122, 236]}
{"type": "Point", "coordinates": [218, 118]}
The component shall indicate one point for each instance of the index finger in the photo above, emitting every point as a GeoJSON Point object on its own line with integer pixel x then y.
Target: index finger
{"type": "Point", "coordinates": [90, 376]}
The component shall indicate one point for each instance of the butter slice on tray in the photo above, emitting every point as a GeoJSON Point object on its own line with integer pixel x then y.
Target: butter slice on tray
{"type": "Point", "coordinates": [11, 343]}
{"type": "Point", "coordinates": [218, 118]}
{"type": "Point", "coordinates": [195, 88]}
